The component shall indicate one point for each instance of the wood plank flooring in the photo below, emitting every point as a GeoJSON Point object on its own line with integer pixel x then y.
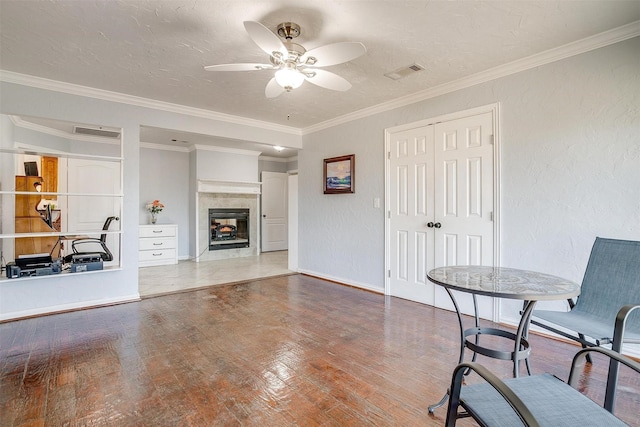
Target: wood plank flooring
{"type": "Point", "coordinates": [284, 351]}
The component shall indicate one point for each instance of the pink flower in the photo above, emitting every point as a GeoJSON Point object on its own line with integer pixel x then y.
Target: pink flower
{"type": "Point", "coordinates": [155, 206]}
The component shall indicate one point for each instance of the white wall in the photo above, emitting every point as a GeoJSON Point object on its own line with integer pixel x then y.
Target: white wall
{"type": "Point", "coordinates": [164, 175]}
{"type": "Point", "coordinates": [570, 170]}
{"type": "Point", "coordinates": [272, 166]}
{"type": "Point", "coordinates": [219, 165]}
{"type": "Point", "coordinates": [281, 165]}
{"type": "Point", "coordinates": [7, 202]}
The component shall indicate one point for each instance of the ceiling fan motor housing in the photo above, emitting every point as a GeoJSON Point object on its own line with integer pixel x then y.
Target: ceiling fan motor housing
{"type": "Point", "coordinates": [289, 30]}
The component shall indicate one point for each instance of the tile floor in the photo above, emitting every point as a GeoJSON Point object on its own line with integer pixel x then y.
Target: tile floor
{"type": "Point", "coordinates": [185, 275]}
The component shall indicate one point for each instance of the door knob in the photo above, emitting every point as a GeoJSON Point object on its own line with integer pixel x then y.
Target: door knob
{"type": "Point", "coordinates": [437, 225]}
{"type": "Point", "coordinates": [429, 225]}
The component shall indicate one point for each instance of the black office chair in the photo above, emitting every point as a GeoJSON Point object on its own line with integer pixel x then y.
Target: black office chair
{"type": "Point", "coordinates": [90, 242]}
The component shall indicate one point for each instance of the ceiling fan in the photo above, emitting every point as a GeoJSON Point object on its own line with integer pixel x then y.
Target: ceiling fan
{"type": "Point", "coordinates": [292, 62]}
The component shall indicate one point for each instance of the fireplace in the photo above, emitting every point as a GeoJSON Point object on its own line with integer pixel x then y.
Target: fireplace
{"type": "Point", "coordinates": [228, 228]}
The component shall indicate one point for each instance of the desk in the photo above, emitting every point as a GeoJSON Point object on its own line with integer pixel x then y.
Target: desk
{"type": "Point", "coordinates": [500, 282]}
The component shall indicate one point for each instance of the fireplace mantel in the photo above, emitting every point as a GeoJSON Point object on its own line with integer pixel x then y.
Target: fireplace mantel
{"type": "Point", "coordinates": [232, 187]}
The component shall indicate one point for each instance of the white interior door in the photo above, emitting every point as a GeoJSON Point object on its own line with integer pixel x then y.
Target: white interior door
{"type": "Point", "coordinates": [88, 213]}
{"type": "Point", "coordinates": [274, 211]}
{"type": "Point", "coordinates": [464, 201]}
{"type": "Point", "coordinates": [441, 186]}
{"type": "Point", "coordinates": [411, 176]}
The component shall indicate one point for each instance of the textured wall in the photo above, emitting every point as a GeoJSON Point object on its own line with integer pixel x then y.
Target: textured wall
{"type": "Point", "coordinates": [221, 166]}
{"type": "Point", "coordinates": [570, 169]}
{"type": "Point", "coordinates": [164, 175]}
{"type": "Point", "coordinates": [271, 166]}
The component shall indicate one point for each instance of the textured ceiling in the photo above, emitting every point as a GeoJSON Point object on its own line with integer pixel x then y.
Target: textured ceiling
{"type": "Point", "coordinates": [157, 49]}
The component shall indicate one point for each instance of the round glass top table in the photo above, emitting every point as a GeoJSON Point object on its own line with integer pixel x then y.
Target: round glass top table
{"type": "Point", "coordinates": [500, 282]}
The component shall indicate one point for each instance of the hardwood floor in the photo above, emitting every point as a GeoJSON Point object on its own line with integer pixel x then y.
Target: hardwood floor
{"type": "Point", "coordinates": [282, 351]}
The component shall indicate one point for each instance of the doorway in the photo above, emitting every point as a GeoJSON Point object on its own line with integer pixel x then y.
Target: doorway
{"type": "Point", "coordinates": [441, 202]}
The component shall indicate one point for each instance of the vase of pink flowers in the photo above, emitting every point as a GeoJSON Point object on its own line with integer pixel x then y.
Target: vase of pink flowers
{"type": "Point", "coordinates": [154, 208]}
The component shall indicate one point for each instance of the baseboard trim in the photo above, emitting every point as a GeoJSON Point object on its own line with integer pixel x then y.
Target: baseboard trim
{"type": "Point", "coordinates": [342, 281]}
{"type": "Point", "coordinates": [65, 308]}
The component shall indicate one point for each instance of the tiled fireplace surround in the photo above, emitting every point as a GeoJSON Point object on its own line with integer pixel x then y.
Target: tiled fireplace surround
{"type": "Point", "coordinates": [209, 198]}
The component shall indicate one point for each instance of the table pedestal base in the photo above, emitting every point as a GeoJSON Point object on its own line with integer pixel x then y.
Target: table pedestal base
{"type": "Point", "coordinates": [521, 348]}
{"type": "Point", "coordinates": [498, 282]}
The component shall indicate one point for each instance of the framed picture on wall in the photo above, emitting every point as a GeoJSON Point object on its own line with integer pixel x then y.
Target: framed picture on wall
{"type": "Point", "coordinates": [339, 174]}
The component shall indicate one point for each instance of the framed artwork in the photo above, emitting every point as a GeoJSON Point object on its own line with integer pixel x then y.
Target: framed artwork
{"type": "Point", "coordinates": [339, 174]}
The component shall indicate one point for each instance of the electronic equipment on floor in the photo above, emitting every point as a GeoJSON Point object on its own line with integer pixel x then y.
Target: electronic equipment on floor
{"type": "Point", "coordinates": [33, 265]}
{"type": "Point", "coordinates": [86, 262]}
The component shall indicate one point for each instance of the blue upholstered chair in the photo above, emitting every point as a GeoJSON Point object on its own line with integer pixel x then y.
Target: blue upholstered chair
{"type": "Point", "coordinates": [604, 311]}
{"type": "Point", "coordinates": [538, 400]}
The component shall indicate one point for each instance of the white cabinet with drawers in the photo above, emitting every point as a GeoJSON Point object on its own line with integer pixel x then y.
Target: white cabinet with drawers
{"type": "Point", "coordinates": [158, 244]}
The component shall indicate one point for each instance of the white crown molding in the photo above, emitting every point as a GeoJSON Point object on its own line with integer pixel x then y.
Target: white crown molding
{"type": "Point", "coordinates": [105, 95]}
{"type": "Point", "coordinates": [154, 146]}
{"type": "Point", "coordinates": [597, 41]}
{"type": "Point", "coordinates": [226, 150]}
{"type": "Point", "coordinates": [21, 123]}
{"type": "Point", "coordinates": [278, 159]}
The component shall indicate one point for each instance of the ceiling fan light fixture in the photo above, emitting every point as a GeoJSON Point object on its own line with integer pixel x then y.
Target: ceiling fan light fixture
{"type": "Point", "coordinates": [289, 78]}
{"type": "Point", "coordinates": [292, 63]}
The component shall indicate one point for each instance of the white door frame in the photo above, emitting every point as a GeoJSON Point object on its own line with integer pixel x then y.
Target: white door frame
{"type": "Point", "coordinates": [493, 108]}
{"type": "Point", "coordinates": [292, 193]}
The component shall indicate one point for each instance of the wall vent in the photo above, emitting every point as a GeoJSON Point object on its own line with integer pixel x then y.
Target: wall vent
{"type": "Point", "coordinates": [403, 72]}
{"type": "Point", "coordinates": [96, 132]}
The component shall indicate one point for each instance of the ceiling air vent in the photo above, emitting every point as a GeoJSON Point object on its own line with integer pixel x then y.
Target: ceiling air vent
{"type": "Point", "coordinates": [404, 72]}
{"type": "Point", "coordinates": [96, 132]}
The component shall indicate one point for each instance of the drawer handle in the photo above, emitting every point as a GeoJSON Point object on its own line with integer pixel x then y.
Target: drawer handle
{"type": "Point", "coordinates": [157, 231]}
{"type": "Point", "coordinates": [158, 244]}
{"type": "Point", "coordinates": [160, 254]}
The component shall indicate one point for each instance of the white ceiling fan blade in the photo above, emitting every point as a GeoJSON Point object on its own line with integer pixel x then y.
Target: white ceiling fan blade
{"type": "Point", "coordinates": [265, 39]}
{"type": "Point", "coordinates": [239, 67]}
{"type": "Point", "coordinates": [273, 89]}
{"type": "Point", "coordinates": [329, 80]}
{"type": "Point", "coordinates": [335, 53]}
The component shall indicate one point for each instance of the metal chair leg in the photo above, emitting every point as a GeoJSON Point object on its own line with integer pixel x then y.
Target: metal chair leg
{"type": "Point", "coordinates": [442, 401]}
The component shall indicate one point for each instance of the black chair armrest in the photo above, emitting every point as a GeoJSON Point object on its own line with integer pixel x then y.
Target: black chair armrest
{"type": "Point", "coordinates": [509, 396]}
{"type": "Point", "coordinates": [614, 356]}
{"type": "Point", "coordinates": [579, 358]}
{"type": "Point", "coordinates": [621, 320]}
{"type": "Point", "coordinates": [86, 240]}
{"type": "Point", "coordinates": [79, 242]}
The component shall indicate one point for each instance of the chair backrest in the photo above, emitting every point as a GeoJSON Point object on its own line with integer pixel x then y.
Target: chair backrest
{"type": "Point", "coordinates": [105, 227]}
{"type": "Point", "coordinates": [611, 280]}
